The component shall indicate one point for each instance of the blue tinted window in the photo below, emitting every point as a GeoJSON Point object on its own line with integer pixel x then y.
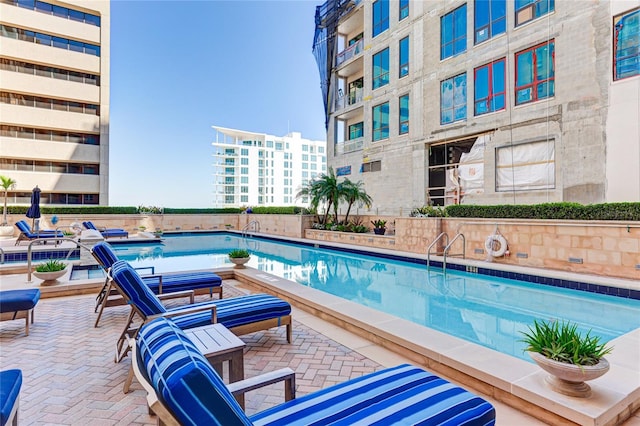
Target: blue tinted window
{"type": "Point", "coordinates": [528, 10]}
{"type": "Point", "coordinates": [626, 45]}
{"type": "Point", "coordinates": [43, 39]}
{"type": "Point", "coordinates": [490, 19]}
{"type": "Point", "coordinates": [91, 49]}
{"type": "Point", "coordinates": [60, 42]}
{"type": "Point", "coordinates": [453, 99]}
{"type": "Point", "coordinates": [381, 68]}
{"type": "Point", "coordinates": [61, 12]}
{"type": "Point", "coordinates": [535, 73]}
{"type": "Point", "coordinates": [44, 7]}
{"type": "Point", "coordinates": [404, 57]}
{"type": "Point", "coordinates": [356, 130]}
{"type": "Point", "coordinates": [380, 16]}
{"type": "Point", "coordinates": [380, 122]}
{"type": "Point", "coordinates": [76, 46]}
{"type": "Point", "coordinates": [27, 4]}
{"type": "Point", "coordinates": [453, 32]}
{"type": "Point", "coordinates": [76, 15]}
{"type": "Point", "coordinates": [403, 115]}
{"type": "Point", "coordinates": [404, 9]}
{"type": "Point", "coordinates": [489, 87]}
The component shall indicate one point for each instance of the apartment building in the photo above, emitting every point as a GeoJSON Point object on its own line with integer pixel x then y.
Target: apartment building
{"type": "Point", "coordinates": [256, 169]}
{"type": "Point", "coordinates": [482, 102]}
{"type": "Point", "coordinates": [54, 100]}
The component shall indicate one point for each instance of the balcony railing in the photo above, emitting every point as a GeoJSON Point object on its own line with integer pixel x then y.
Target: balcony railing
{"type": "Point", "coordinates": [350, 52]}
{"type": "Point", "coordinates": [349, 146]}
{"type": "Point", "coordinates": [349, 99]}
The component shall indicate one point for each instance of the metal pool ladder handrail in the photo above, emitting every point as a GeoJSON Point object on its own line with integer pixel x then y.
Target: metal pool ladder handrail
{"type": "Point", "coordinates": [77, 245]}
{"type": "Point", "coordinates": [253, 226]}
{"type": "Point", "coordinates": [1, 255]}
{"type": "Point", "coordinates": [433, 243]}
{"type": "Point", "coordinates": [446, 250]}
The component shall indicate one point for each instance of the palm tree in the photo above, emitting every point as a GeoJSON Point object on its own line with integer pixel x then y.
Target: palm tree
{"type": "Point", "coordinates": [353, 192]}
{"type": "Point", "coordinates": [311, 190]}
{"type": "Point", "coordinates": [329, 191]}
{"type": "Point", "coordinates": [6, 183]}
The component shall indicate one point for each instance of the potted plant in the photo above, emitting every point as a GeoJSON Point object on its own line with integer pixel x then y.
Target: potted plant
{"type": "Point", "coordinates": [239, 257]}
{"type": "Point", "coordinates": [571, 358]}
{"type": "Point", "coordinates": [158, 233]}
{"type": "Point", "coordinates": [379, 226]}
{"type": "Point", "coordinates": [6, 183]}
{"type": "Point", "coordinates": [51, 270]}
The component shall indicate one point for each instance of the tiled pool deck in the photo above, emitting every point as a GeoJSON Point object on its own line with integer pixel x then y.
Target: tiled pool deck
{"type": "Point", "coordinates": [70, 376]}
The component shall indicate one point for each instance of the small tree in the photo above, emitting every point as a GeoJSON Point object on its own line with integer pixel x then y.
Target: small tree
{"type": "Point", "coordinates": [6, 183]}
{"type": "Point", "coordinates": [354, 193]}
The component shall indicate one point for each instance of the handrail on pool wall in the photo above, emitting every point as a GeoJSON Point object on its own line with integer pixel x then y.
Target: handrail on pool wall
{"type": "Point", "coordinates": [77, 245]}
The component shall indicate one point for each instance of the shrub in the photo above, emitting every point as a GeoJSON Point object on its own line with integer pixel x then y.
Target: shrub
{"type": "Point", "coordinates": [239, 253]}
{"type": "Point", "coordinates": [51, 265]}
{"type": "Point", "coordinates": [561, 341]}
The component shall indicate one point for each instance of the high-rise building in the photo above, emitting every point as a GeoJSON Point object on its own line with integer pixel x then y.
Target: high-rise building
{"type": "Point", "coordinates": [256, 169]}
{"type": "Point", "coordinates": [482, 102]}
{"type": "Point", "coordinates": [54, 100]}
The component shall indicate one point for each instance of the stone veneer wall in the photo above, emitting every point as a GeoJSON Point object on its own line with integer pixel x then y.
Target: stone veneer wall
{"type": "Point", "coordinates": [603, 248]}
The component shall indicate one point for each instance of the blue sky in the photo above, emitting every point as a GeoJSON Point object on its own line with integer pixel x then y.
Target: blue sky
{"type": "Point", "coordinates": [179, 67]}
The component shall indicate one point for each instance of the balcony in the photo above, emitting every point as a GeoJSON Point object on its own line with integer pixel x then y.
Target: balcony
{"type": "Point", "coordinates": [351, 145]}
{"type": "Point", "coordinates": [347, 100]}
{"type": "Point", "coordinates": [350, 52]}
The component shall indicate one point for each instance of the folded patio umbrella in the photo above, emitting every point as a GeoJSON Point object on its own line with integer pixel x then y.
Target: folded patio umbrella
{"type": "Point", "coordinates": [34, 209]}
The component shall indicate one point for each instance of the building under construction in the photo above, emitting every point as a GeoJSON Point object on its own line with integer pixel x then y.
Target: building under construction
{"type": "Point", "coordinates": [491, 102]}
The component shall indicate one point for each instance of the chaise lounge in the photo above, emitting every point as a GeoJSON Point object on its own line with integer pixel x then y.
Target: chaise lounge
{"type": "Point", "coordinates": [106, 256]}
{"type": "Point", "coordinates": [184, 389]}
{"type": "Point", "coordinates": [27, 234]}
{"type": "Point", "coordinates": [106, 232]}
{"type": "Point", "coordinates": [241, 315]}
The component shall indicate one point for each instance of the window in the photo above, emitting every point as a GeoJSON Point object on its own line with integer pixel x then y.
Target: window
{"type": "Point", "coordinates": [244, 170]}
{"type": "Point", "coordinates": [373, 166]}
{"type": "Point", "coordinates": [244, 161]}
{"type": "Point", "coordinates": [356, 130]}
{"type": "Point", "coordinates": [380, 16]}
{"type": "Point", "coordinates": [305, 157]}
{"type": "Point", "coordinates": [403, 115]}
{"type": "Point", "coordinates": [244, 179]}
{"type": "Point", "coordinates": [244, 151]}
{"type": "Point", "coordinates": [489, 87]}
{"type": "Point", "coordinates": [490, 19]}
{"type": "Point", "coordinates": [404, 57]}
{"type": "Point", "coordinates": [453, 99]}
{"type": "Point", "coordinates": [269, 144]}
{"type": "Point", "coordinates": [305, 148]}
{"type": "Point", "coordinates": [535, 73]}
{"type": "Point", "coordinates": [404, 9]}
{"type": "Point", "coordinates": [453, 32]}
{"type": "Point", "coordinates": [526, 166]}
{"type": "Point", "coordinates": [321, 150]}
{"type": "Point", "coordinates": [626, 45]}
{"type": "Point", "coordinates": [381, 121]}
{"type": "Point", "coordinates": [528, 10]}
{"type": "Point", "coordinates": [381, 68]}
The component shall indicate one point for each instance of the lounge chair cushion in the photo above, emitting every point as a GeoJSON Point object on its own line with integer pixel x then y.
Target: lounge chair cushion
{"type": "Point", "coordinates": [26, 231]}
{"type": "Point", "coordinates": [106, 232]}
{"type": "Point", "coordinates": [187, 384]}
{"type": "Point", "coordinates": [10, 384]}
{"type": "Point", "coordinates": [231, 312]}
{"type": "Point", "coordinates": [18, 300]}
{"type": "Point", "coordinates": [185, 381]}
{"type": "Point", "coordinates": [170, 282]}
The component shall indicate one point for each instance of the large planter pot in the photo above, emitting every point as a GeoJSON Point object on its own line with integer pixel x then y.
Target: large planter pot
{"type": "Point", "coordinates": [379, 231]}
{"type": "Point", "coordinates": [49, 278]}
{"type": "Point", "coordinates": [569, 379]}
{"type": "Point", "coordinates": [239, 261]}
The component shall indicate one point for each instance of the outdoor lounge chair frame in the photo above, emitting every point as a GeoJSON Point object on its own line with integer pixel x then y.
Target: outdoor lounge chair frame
{"type": "Point", "coordinates": [27, 234]}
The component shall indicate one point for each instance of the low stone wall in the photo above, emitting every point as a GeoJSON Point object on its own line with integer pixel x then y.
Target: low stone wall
{"type": "Point", "coordinates": [603, 248]}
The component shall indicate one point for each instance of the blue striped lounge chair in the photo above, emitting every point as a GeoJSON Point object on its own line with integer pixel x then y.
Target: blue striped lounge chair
{"type": "Point", "coordinates": [106, 232]}
{"type": "Point", "coordinates": [27, 234]}
{"type": "Point", "coordinates": [184, 389]}
{"type": "Point", "coordinates": [241, 315]}
{"type": "Point", "coordinates": [10, 384]}
{"type": "Point", "coordinates": [106, 256]}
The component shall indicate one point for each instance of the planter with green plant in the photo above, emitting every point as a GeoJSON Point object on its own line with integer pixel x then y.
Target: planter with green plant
{"type": "Point", "coordinates": [570, 357]}
{"type": "Point", "coordinates": [50, 270]}
{"type": "Point", "coordinates": [379, 226]}
{"type": "Point", "coordinates": [239, 257]}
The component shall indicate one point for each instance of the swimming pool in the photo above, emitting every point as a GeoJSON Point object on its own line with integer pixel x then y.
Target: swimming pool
{"type": "Point", "coordinates": [490, 311]}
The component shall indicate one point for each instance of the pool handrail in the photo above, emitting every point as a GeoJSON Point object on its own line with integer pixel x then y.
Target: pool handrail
{"type": "Point", "coordinates": [58, 240]}
{"type": "Point", "coordinates": [253, 226]}
{"type": "Point", "coordinates": [433, 243]}
{"type": "Point", "coordinates": [446, 250]}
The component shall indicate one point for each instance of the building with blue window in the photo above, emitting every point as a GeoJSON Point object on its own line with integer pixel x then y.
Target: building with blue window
{"type": "Point", "coordinates": [256, 169]}
{"type": "Point", "coordinates": [482, 102]}
{"type": "Point", "coordinates": [54, 100]}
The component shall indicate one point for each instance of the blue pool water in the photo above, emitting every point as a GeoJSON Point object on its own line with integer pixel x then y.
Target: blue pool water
{"type": "Point", "coordinates": [486, 310]}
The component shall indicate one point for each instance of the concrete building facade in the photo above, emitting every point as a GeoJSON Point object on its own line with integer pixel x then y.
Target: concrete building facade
{"type": "Point", "coordinates": [256, 169]}
{"type": "Point", "coordinates": [492, 102]}
{"type": "Point", "coordinates": [54, 100]}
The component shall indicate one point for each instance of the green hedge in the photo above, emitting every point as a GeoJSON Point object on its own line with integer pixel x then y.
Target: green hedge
{"type": "Point", "coordinates": [75, 210]}
{"type": "Point", "coordinates": [570, 211]}
{"type": "Point", "coordinates": [278, 210]}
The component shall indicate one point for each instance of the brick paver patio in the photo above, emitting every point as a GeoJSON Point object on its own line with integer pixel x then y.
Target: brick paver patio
{"type": "Point", "coordinates": [70, 377]}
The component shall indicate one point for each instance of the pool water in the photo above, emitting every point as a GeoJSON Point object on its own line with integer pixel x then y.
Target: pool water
{"type": "Point", "coordinates": [486, 310]}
